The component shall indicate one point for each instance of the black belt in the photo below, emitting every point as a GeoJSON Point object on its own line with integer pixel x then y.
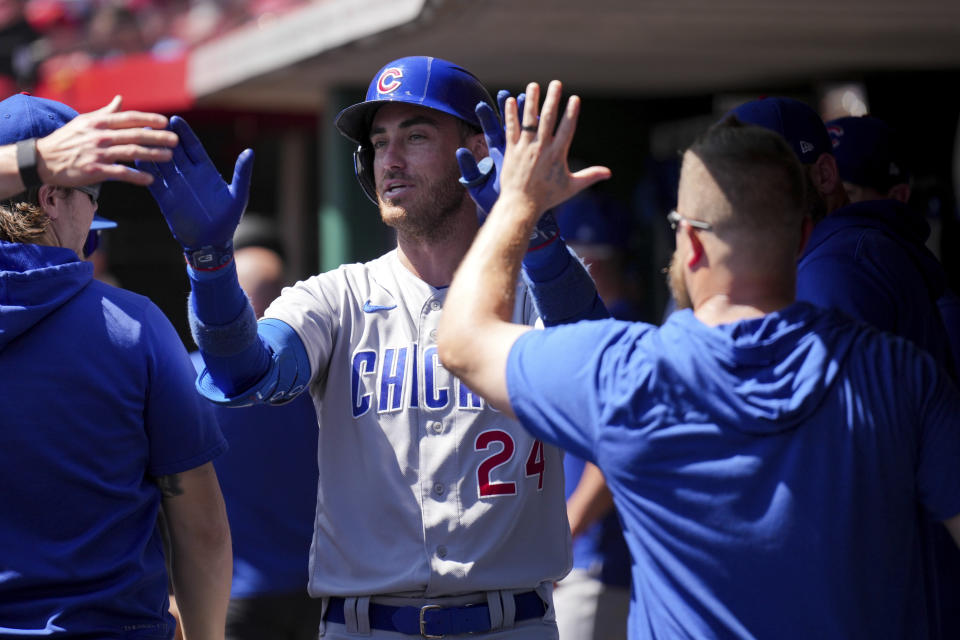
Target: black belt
{"type": "Point", "coordinates": [436, 621]}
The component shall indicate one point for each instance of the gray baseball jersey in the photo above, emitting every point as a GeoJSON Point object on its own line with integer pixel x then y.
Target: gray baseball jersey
{"type": "Point", "coordinates": [424, 489]}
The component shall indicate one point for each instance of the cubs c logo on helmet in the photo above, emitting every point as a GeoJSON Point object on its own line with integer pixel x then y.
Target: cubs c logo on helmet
{"type": "Point", "coordinates": [389, 80]}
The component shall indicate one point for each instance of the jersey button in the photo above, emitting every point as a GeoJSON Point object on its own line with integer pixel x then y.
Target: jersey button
{"type": "Point", "coordinates": [442, 551]}
{"type": "Point", "coordinates": [436, 427]}
{"type": "Point", "coordinates": [433, 334]}
{"type": "Point", "coordinates": [434, 305]}
{"type": "Point", "coordinates": [438, 489]}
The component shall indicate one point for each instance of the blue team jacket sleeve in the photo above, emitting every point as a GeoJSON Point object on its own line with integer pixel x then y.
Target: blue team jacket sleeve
{"type": "Point", "coordinates": [558, 381]}
{"type": "Point", "coordinates": [287, 375]}
{"type": "Point", "coordinates": [246, 362]}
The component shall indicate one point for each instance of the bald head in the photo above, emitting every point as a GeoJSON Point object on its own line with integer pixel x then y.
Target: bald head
{"type": "Point", "coordinates": [260, 272]}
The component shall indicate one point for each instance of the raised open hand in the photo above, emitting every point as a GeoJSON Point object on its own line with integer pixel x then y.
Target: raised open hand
{"type": "Point", "coordinates": [88, 149]}
{"type": "Point", "coordinates": [535, 164]}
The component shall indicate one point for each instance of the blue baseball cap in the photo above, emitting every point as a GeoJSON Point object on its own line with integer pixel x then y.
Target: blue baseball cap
{"type": "Point", "coordinates": [796, 121]}
{"type": "Point", "coordinates": [23, 116]}
{"type": "Point", "coordinates": [868, 151]}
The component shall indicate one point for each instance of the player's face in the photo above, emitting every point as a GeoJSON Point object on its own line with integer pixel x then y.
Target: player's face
{"type": "Point", "coordinates": [72, 214]}
{"type": "Point", "coordinates": [415, 169]}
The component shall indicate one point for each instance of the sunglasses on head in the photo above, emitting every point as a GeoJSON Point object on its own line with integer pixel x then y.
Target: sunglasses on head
{"type": "Point", "coordinates": [93, 191]}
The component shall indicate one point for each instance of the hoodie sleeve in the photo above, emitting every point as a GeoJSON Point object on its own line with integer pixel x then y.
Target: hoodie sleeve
{"type": "Point", "coordinates": [558, 381]}
{"type": "Point", "coordinates": [180, 423]}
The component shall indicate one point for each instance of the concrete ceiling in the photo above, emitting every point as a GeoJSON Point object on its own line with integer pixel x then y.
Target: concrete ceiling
{"type": "Point", "coordinates": [618, 47]}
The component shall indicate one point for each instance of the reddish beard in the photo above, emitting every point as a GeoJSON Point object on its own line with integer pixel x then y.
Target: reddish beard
{"type": "Point", "coordinates": [678, 288]}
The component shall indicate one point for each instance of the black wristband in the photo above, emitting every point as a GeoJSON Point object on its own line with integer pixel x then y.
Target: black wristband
{"type": "Point", "coordinates": [27, 163]}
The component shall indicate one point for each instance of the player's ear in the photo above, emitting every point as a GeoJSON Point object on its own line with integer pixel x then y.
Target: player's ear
{"type": "Point", "coordinates": [477, 144]}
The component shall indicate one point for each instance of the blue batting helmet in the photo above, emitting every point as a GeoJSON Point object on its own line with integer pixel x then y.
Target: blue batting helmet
{"type": "Point", "coordinates": [420, 80]}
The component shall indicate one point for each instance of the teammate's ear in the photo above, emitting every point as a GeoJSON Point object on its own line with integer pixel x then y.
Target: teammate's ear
{"type": "Point", "coordinates": [46, 198]}
{"type": "Point", "coordinates": [696, 247]}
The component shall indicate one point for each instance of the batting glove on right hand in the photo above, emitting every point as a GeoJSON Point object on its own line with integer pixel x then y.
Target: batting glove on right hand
{"type": "Point", "coordinates": [201, 209]}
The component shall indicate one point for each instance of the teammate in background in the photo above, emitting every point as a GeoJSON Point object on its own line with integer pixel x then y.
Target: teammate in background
{"type": "Point", "coordinates": [767, 457]}
{"type": "Point", "coordinates": [86, 151]}
{"type": "Point", "coordinates": [436, 516]}
{"type": "Point", "coordinates": [871, 160]}
{"type": "Point", "coordinates": [268, 478]}
{"type": "Point", "coordinates": [866, 258]}
{"type": "Point", "coordinates": [869, 260]}
{"type": "Point", "coordinates": [872, 164]}
{"type": "Point", "coordinates": [593, 601]}
{"type": "Point", "coordinates": [102, 428]}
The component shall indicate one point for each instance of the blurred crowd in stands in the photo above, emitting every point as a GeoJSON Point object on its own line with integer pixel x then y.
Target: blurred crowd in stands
{"type": "Point", "coordinates": [41, 38]}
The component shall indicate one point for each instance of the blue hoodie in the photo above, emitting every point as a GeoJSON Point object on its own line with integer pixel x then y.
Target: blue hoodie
{"type": "Point", "coordinates": [768, 472]}
{"type": "Point", "coordinates": [98, 401]}
{"type": "Point", "coordinates": [869, 260]}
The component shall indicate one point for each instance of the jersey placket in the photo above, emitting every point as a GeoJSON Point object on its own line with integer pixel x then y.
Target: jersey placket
{"type": "Point", "coordinates": [438, 456]}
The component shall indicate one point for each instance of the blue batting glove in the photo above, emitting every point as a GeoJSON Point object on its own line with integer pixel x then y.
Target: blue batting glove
{"type": "Point", "coordinates": [482, 179]}
{"type": "Point", "coordinates": [201, 210]}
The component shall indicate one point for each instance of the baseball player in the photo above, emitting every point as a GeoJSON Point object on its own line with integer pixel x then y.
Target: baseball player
{"type": "Point", "coordinates": [436, 515]}
{"type": "Point", "coordinates": [769, 458]}
{"type": "Point", "coordinates": [871, 161]}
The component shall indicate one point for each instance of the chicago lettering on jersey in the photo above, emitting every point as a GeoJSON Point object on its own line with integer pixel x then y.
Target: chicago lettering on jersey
{"type": "Point", "coordinates": [392, 380]}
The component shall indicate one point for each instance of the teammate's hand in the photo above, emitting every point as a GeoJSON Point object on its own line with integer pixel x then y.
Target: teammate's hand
{"type": "Point", "coordinates": [87, 149]}
{"type": "Point", "coordinates": [482, 179]}
{"type": "Point", "coordinates": [535, 167]}
{"type": "Point", "coordinates": [201, 209]}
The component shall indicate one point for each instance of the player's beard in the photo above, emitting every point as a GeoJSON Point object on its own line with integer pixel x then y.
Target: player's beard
{"type": "Point", "coordinates": [432, 213]}
{"type": "Point", "coordinates": [678, 288]}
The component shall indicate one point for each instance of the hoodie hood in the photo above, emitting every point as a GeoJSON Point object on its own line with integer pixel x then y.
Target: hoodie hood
{"type": "Point", "coordinates": [35, 281]}
{"type": "Point", "coordinates": [893, 218]}
{"type": "Point", "coordinates": [764, 375]}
